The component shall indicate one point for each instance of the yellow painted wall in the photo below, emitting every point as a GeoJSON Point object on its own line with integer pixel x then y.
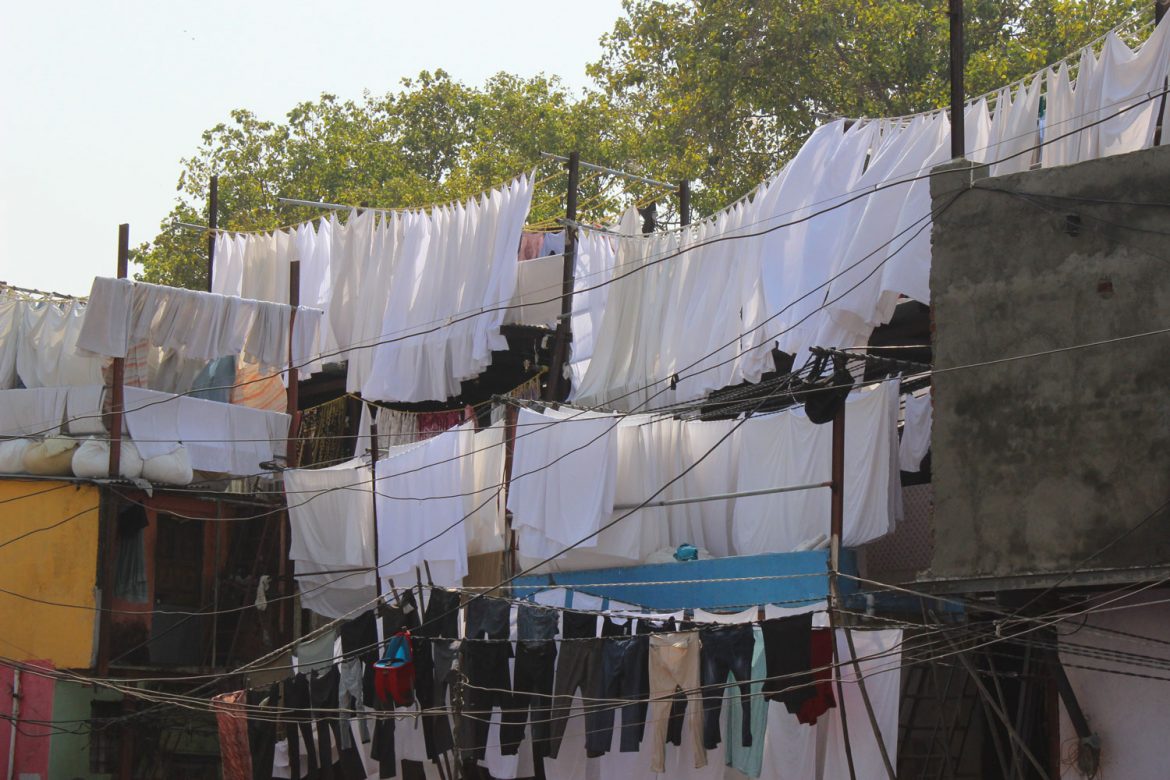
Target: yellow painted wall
{"type": "Point", "coordinates": [59, 565]}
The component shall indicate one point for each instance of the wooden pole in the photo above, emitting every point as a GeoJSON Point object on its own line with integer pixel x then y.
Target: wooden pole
{"type": "Point", "coordinates": [213, 224]}
{"type": "Point", "coordinates": [684, 202]}
{"type": "Point", "coordinates": [564, 332]}
{"type": "Point", "coordinates": [958, 143]}
{"type": "Point", "coordinates": [107, 557]}
{"type": "Point", "coordinates": [294, 300]}
{"type": "Point", "coordinates": [374, 497]}
{"type": "Point", "coordinates": [836, 523]}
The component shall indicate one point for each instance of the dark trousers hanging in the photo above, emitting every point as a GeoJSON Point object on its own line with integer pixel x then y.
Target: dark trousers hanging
{"type": "Point", "coordinates": [726, 650]}
{"type": "Point", "coordinates": [486, 653]}
{"type": "Point", "coordinates": [300, 727]}
{"type": "Point", "coordinates": [440, 620]}
{"type": "Point", "coordinates": [532, 688]}
{"type": "Point", "coordinates": [262, 732]}
{"type": "Point", "coordinates": [787, 643]}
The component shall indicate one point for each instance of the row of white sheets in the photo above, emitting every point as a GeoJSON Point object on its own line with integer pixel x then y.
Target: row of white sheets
{"type": "Point", "coordinates": [570, 470]}
{"type": "Point", "coordinates": [46, 411]}
{"type": "Point", "coordinates": [196, 325]}
{"type": "Point", "coordinates": [825, 249]}
{"type": "Point", "coordinates": [219, 437]}
{"type": "Point", "coordinates": [438, 501]}
{"type": "Point", "coordinates": [384, 278]}
{"type": "Point", "coordinates": [37, 341]}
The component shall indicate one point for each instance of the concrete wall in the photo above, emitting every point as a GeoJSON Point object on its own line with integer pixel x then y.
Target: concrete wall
{"type": "Point", "coordinates": [55, 562]}
{"type": "Point", "coordinates": [1040, 463]}
{"type": "Point", "coordinates": [1123, 705]}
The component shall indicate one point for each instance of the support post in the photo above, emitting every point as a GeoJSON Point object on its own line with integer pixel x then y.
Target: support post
{"type": "Point", "coordinates": [564, 333]}
{"type": "Point", "coordinates": [684, 202]}
{"type": "Point", "coordinates": [1160, 7]}
{"type": "Point", "coordinates": [958, 143]}
{"type": "Point", "coordinates": [113, 420]}
{"type": "Point", "coordinates": [836, 523]}
{"type": "Point", "coordinates": [374, 496]}
{"type": "Point", "coordinates": [294, 300]}
{"type": "Point", "coordinates": [212, 224]}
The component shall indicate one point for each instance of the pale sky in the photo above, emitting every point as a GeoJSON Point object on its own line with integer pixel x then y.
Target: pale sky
{"type": "Point", "coordinates": [103, 98]}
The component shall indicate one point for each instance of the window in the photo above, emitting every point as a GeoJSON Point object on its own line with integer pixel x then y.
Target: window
{"type": "Point", "coordinates": [130, 578]}
{"type": "Point", "coordinates": [104, 737]}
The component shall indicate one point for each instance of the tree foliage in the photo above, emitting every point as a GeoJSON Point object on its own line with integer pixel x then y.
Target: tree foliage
{"type": "Point", "coordinates": [721, 92]}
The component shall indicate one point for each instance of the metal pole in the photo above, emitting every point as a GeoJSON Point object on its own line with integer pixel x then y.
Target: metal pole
{"type": "Point", "coordinates": [684, 202]}
{"type": "Point", "coordinates": [958, 144]}
{"type": "Point", "coordinates": [722, 496]}
{"type": "Point", "coordinates": [836, 523]}
{"type": "Point", "coordinates": [212, 224]}
{"type": "Point", "coordinates": [564, 327]}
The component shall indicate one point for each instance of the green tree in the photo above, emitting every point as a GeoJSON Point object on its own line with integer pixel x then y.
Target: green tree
{"type": "Point", "coordinates": [725, 91]}
{"type": "Point", "coordinates": [434, 140]}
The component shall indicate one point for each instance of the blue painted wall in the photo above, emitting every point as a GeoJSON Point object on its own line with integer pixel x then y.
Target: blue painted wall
{"type": "Point", "coordinates": [738, 582]}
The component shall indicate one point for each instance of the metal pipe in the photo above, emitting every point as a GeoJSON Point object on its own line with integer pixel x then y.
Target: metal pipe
{"type": "Point", "coordinates": [212, 224]}
{"type": "Point", "coordinates": [958, 143]}
{"type": "Point", "coordinates": [293, 400]}
{"type": "Point", "coordinates": [684, 202]}
{"type": "Point", "coordinates": [15, 721]}
{"type": "Point", "coordinates": [612, 171]}
{"type": "Point", "coordinates": [564, 325]}
{"type": "Point", "coordinates": [313, 203]}
{"type": "Point", "coordinates": [722, 496]}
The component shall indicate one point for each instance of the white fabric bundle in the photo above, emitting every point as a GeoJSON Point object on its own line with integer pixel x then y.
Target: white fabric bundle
{"type": "Point", "coordinates": [173, 468]}
{"type": "Point", "coordinates": [12, 455]}
{"type": "Point", "coordinates": [52, 456]}
{"type": "Point", "coordinates": [92, 460]}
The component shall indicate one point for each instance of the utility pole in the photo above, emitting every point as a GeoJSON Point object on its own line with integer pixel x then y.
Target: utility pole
{"type": "Point", "coordinates": [564, 332]}
{"type": "Point", "coordinates": [958, 143]}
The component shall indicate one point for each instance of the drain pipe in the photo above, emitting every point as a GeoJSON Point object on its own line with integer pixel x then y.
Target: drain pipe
{"type": "Point", "coordinates": [15, 721]}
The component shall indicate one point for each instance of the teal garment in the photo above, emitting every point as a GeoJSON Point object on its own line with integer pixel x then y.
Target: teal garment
{"type": "Point", "coordinates": [214, 381]}
{"type": "Point", "coordinates": [749, 760]}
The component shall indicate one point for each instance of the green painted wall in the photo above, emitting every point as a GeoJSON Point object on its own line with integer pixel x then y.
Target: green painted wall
{"type": "Point", "coordinates": [69, 754]}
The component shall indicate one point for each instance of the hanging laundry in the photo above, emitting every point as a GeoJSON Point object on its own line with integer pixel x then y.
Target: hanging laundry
{"type": "Point", "coordinates": [48, 333]}
{"type": "Point", "coordinates": [392, 284]}
{"type": "Point", "coordinates": [11, 307]}
{"type": "Point", "coordinates": [553, 506]}
{"type": "Point", "coordinates": [332, 530]}
{"type": "Point", "coordinates": [1015, 129]}
{"type": "Point", "coordinates": [915, 441]}
{"type": "Point", "coordinates": [33, 412]}
{"type": "Point", "coordinates": [420, 510]}
{"type": "Point", "coordinates": [786, 449]}
{"type": "Point", "coordinates": [198, 325]}
{"type": "Point", "coordinates": [231, 718]}
{"type": "Point", "coordinates": [592, 269]}
{"type": "Point", "coordinates": [879, 655]}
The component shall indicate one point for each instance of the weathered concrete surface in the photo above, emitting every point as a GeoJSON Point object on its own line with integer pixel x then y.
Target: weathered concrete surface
{"type": "Point", "coordinates": [1040, 463]}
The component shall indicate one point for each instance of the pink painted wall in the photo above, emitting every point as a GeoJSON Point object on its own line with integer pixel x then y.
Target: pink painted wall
{"type": "Point", "coordinates": [32, 739]}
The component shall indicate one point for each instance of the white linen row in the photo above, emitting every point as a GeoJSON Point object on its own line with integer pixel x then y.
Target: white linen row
{"type": "Point", "coordinates": [41, 411]}
{"type": "Point", "coordinates": [37, 340]}
{"type": "Point", "coordinates": [582, 467]}
{"type": "Point", "coordinates": [424, 490]}
{"type": "Point", "coordinates": [385, 275]}
{"type": "Point", "coordinates": [197, 325]}
{"type": "Point", "coordinates": [828, 277]}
